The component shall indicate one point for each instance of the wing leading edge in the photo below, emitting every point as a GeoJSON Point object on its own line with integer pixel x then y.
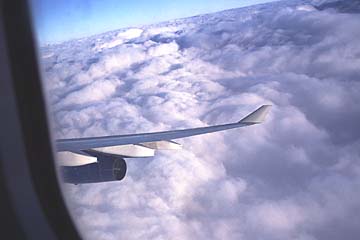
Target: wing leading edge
{"type": "Point", "coordinates": [78, 144]}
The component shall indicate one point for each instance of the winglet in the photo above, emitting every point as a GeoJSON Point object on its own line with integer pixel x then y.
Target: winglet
{"type": "Point", "coordinates": [258, 116]}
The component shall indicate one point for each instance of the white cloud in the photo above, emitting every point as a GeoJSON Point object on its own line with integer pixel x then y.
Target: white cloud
{"type": "Point", "coordinates": [163, 49]}
{"type": "Point", "coordinates": [130, 33]}
{"type": "Point", "coordinates": [94, 92]}
{"type": "Point", "coordinates": [277, 217]}
{"type": "Point", "coordinates": [293, 177]}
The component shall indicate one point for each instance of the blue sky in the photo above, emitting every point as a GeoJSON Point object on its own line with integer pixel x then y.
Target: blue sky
{"type": "Point", "coordinates": [61, 20]}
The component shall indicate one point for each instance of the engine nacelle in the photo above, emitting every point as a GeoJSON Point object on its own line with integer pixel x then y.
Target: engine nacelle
{"type": "Point", "coordinates": [107, 168]}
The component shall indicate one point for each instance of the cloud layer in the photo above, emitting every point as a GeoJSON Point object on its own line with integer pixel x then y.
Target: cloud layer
{"type": "Point", "coordinates": [294, 177]}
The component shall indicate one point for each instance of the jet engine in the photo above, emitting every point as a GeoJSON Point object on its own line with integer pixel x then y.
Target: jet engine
{"type": "Point", "coordinates": [107, 168]}
{"type": "Point", "coordinates": [105, 164]}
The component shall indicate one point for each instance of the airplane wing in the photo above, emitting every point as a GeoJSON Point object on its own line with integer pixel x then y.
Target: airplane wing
{"type": "Point", "coordinates": [101, 159]}
{"type": "Point", "coordinates": [81, 144]}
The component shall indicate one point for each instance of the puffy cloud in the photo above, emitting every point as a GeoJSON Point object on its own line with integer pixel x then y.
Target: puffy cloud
{"type": "Point", "coordinates": [277, 217]}
{"type": "Point", "coordinates": [94, 92]}
{"type": "Point", "coordinates": [163, 49]}
{"type": "Point", "coordinates": [293, 177]}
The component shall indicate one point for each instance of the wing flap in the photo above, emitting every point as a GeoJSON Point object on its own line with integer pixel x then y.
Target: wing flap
{"type": "Point", "coordinates": [74, 159]}
{"type": "Point", "coordinates": [162, 145]}
{"type": "Point", "coordinates": [128, 151]}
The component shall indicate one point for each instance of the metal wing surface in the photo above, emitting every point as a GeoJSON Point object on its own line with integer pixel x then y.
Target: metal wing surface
{"type": "Point", "coordinates": [81, 144]}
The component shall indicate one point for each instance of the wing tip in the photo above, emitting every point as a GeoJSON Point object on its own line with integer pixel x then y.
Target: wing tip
{"type": "Point", "coordinates": [257, 116]}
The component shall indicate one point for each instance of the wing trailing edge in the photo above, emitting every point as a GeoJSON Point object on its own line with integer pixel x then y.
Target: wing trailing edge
{"type": "Point", "coordinates": [78, 144]}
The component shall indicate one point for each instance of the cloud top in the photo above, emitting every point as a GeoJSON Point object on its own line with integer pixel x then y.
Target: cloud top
{"type": "Point", "coordinates": [293, 177]}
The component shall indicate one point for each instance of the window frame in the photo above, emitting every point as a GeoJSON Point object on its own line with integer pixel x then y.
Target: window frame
{"type": "Point", "coordinates": [32, 205]}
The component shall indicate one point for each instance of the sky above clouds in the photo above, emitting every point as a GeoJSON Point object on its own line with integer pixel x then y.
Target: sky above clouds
{"type": "Point", "coordinates": [57, 21]}
{"type": "Point", "coordinates": [296, 176]}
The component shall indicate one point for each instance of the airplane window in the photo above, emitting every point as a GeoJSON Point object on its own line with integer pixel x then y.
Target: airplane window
{"type": "Point", "coordinates": [205, 119]}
